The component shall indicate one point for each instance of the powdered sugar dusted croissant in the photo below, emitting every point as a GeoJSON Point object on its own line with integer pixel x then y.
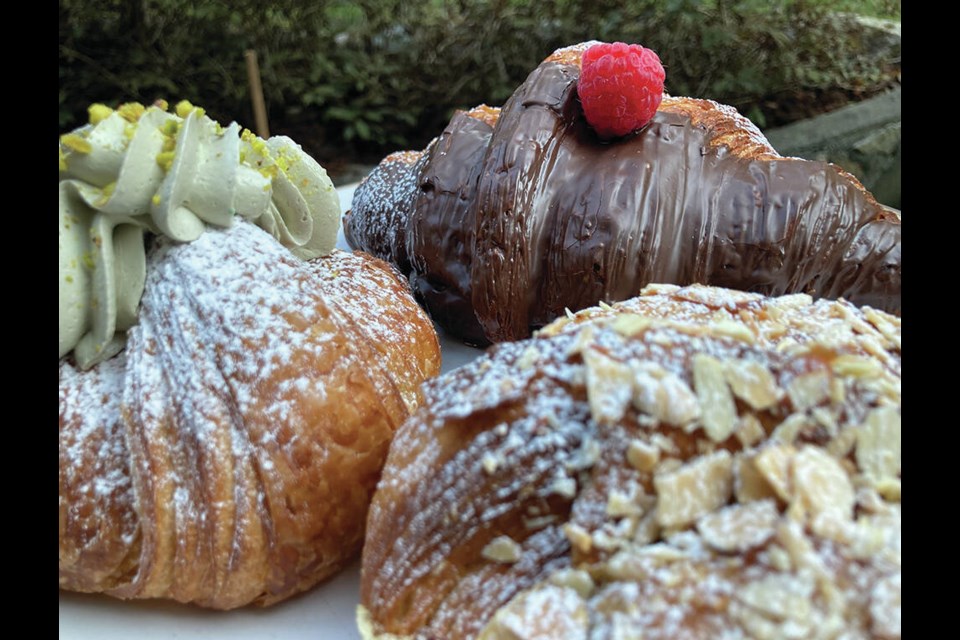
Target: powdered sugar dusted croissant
{"type": "Point", "coordinates": [692, 463]}
{"type": "Point", "coordinates": [511, 216]}
{"type": "Point", "coordinates": [228, 455]}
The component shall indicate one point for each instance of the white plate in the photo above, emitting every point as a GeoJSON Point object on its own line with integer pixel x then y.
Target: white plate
{"type": "Point", "coordinates": [325, 612]}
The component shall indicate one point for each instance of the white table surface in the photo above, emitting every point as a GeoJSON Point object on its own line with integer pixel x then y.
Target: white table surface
{"type": "Point", "coordinates": [325, 612]}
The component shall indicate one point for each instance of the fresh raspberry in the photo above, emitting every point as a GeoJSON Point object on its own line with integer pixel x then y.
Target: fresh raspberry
{"type": "Point", "coordinates": [620, 87]}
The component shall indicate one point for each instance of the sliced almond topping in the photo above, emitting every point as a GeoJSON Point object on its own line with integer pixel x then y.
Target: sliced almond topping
{"type": "Point", "coordinates": [663, 395]}
{"type": "Point", "coordinates": [749, 484]}
{"type": "Point", "coordinates": [779, 558]}
{"type": "Point", "coordinates": [648, 530]}
{"type": "Point", "coordinates": [584, 339]}
{"type": "Point", "coordinates": [838, 391]}
{"type": "Point", "coordinates": [609, 386]}
{"type": "Point", "coordinates": [580, 539]}
{"type": "Point", "coordinates": [856, 366]}
{"type": "Point", "coordinates": [889, 489]}
{"type": "Point", "coordinates": [808, 390]}
{"type": "Point", "coordinates": [790, 302]}
{"type": "Point", "coordinates": [696, 488]}
{"type": "Point", "coordinates": [834, 334]}
{"type": "Point", "coordinates": [604, 541]}
{"type": "Point", "coordinates": [870, 502]}
{"type": "Point", "coordinates": [749, 430]}
{"type": "Point", "coordinates": [780, 596]}
{"type": "Point", "coordinates": [887, 325]}
{"type": "Point", "coordinates": [555, 327]}
{"type": "Point", "coordinates": [732, 329]}
{"type": "Point", "coordinates": [631, 324]}
{"type": "Point", "coordinates": [705, 446]}
{"type": "Point", "coordinates": [664, 443]}
{"type": "Point", "coordinates": [773, 330]}
{"type": "Point", "coordinates": [662, 553]}
{"type": "Point", "coordinates": [789, 345]}
{"type": "Point", "coordinates": [566, 487]}
{"type": "Point", "coordinates": [842, 443]}
{"type": "Point", "coordinates": [739, 527]}
{"type": "Point", "coordinates": [753, 383]}
{"type": "Point", "coordinates": [490, 462]}
{"type": "Point", "coordinates": [878, 445]}
{"type": "Point", "coordinates": [773, 464]}
{"type": "Point", "coordinates": [621, 504]}
{"type": "Point", "coordinates": [642, 456]}
{"type": "Point", "coordinates": [788, 430]}
{"type": "Point", "coordinates": [886, 387]}
{"type": "Point", "coordinates": [824, 489]}
{"type": "Point", "coordinates": [627, 565]}
{"type": "Point", "coordinates": [826, 418]}
{"type": "Point", "coordinates": [849, 313]}
{"type": "Point", "coordinates": [873, 346]}
{"type": "Point", "coordinates": [655, 288]}
{"type": "Point", "coordinates": [717, 408]}
{"type": "Point", "coordinates": [727, 299]}
{"type": "Point", "coordinates": [502, 549]}
{"type": "Point", "coordinates": [576, 579]}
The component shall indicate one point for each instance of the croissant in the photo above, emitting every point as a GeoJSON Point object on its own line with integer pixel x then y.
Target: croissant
{"type": "Point", "coordinates": [513, 215]}
{"type": "Point", "coordinates": [691, 463]}
{"type": "Point", "coordinates": [228, 455]}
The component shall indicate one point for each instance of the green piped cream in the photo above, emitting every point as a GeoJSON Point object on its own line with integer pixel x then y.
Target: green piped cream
{"type": "Point", "coordinates": [136, 170]}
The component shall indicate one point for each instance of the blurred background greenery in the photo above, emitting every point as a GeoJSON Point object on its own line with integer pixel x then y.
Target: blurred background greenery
{"type": "Point", "coordinates": [352, 80]}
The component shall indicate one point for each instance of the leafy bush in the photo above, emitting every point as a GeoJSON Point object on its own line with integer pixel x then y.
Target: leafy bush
{"type": "Point", "coordinates": [378, 75]}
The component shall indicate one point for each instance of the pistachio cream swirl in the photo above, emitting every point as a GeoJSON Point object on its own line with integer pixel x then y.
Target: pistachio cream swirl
{"type": "Point", "coordinates": [142, 169]}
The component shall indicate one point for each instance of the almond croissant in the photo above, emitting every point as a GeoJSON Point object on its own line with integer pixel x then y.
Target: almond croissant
{"type": "Point", "coordinates": [691, 463]}
{"type": "Point", "coordinates": [513, 215]}
{"type": "Point", "coordinates": [229, 454]}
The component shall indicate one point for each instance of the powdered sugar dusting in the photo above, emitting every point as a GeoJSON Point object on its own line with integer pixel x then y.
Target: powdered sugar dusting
{"type": "Point", "coordinates": [233, 415]}
{"type": "Point", "coordinates": [385, 199]}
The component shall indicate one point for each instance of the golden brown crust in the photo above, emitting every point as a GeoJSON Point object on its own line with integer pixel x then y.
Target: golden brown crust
{"type": "Point", "coordinates": [570, 55]}
{"type": "Point", "coordinates": [485, 114]}
{"type": "Point", "coordinates": [228, 456]}
{"type": "Point", "coordinates": [694, 462]}
{"type": "Point", "coordinates": [403, 157]}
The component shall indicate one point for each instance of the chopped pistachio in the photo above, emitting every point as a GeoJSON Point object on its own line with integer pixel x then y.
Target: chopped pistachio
{"type": "Point", "coordinates": [185, 108]}
{"type": "Point", "coordinates": [131, 111]}
{"type": "Point", "coordinates": [76, 142]}
{"type": "Point", "coordinates": [98, 113]}
{"type": "Point", "coordinates": [165, 160]}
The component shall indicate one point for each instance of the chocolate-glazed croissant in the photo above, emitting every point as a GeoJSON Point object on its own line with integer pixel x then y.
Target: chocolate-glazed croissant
{"type": "Point", "coordinates": [511, 216]}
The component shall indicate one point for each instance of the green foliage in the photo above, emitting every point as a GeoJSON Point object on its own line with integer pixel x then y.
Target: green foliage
{"type": "Point", "coordinates": [387, 74]}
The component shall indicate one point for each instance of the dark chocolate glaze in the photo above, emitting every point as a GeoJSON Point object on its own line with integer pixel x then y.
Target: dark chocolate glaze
{"type": "Point", "coordinates": [539, 215]}
{"type": "Point", "coordinates": [441, 252]}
